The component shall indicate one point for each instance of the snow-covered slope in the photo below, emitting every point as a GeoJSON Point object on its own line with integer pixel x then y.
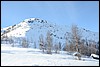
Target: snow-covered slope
{"type": "Point", "coordinates": [14, 56]}
{"type": "Point", "coordinates": [32, 28]}
{"type": "Point", "coordinates": [17, 30]}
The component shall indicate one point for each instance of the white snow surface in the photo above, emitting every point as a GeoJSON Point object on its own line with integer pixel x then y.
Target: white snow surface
{"type": "Point", "coordinates": [15, 56]}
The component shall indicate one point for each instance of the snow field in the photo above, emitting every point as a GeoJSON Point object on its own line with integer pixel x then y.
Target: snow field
{"type": "Point", "coordinates": [14, 56]}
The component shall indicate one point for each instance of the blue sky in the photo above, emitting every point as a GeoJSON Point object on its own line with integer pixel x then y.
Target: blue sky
{"type": "Point", "coordinates": [85, 14]}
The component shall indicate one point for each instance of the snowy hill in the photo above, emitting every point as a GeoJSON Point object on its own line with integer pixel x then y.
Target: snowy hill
{"type": "Point", "coordinates": [14, 56]}
{"type": "Point", "coordinates": [32, 28]}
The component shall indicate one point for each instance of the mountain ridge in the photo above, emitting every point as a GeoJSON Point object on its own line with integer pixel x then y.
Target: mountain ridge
{"type": "Point", "coordinates": [27, 27]}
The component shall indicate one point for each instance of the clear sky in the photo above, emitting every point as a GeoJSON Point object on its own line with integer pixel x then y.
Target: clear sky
{"type": "Point", "coordinates": [85, 14]}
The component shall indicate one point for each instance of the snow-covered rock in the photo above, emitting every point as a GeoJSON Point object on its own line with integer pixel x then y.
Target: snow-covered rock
{"type": "Point", "coordinates": [95, 56]}
{"type": "Point", "coordinates": [78, 55]}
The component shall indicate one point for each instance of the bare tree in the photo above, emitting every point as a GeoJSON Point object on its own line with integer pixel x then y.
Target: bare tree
{"type": "Point", "coordinates": [60, 46]}
{"type": "Point", "coordinates": [82, 46]}
{"type": "Point", "coordinates": [76, 35]}
{"type": "Point", "coordinates": [49, 43]}
{"type": "Point", "coordinates": [11, 41]}
{"type": "Point", "coordinates": [56, 48]}
{"type": "Point", "coordinates": [93, 47]}
{"type": "Point", "coordinates": [67, 46]}
{"type": "Point", "coordinates": [24, 43]}
{"type": "Point", "coordinates": [97, 52]}
{"type": "Point", "coordinates": [70, 42]}
{"type": "Point", "coordinates": [34, 44]}
{"type": "Point", "coordinates": [41, 42]}
{"type": "Point", "coordinates": [31, 40]}
{"type": "Point", "coordinates": [72, 47]}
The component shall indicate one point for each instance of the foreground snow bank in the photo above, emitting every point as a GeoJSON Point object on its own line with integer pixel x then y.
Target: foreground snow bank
{"type": "Point", "coordinates": [13, 56]}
